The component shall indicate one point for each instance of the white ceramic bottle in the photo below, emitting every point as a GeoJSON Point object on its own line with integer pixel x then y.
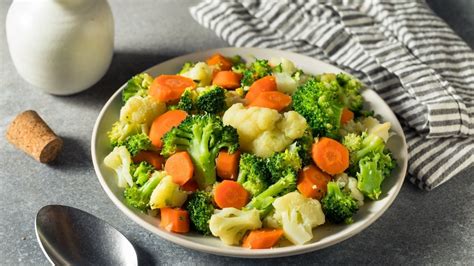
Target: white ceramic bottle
{"type": "Point", "coordinates": [60, 46]}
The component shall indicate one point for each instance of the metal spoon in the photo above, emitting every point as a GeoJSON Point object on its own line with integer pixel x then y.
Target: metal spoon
{"type": "Point", "coordinates": [70, 236]}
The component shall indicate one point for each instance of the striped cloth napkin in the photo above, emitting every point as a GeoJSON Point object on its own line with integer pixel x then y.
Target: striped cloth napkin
{"type": "Point", "coordinates": [403, 51]}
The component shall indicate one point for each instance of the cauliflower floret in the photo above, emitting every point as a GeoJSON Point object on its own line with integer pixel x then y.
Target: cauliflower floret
{"type": "Point", "coordinates": [349, 184]}
{"type": "Point", "coordinates": [230, 224]}
{"type": "Point", "coordinates": [119, 160]}
{"type": "Point", "coordinates": [285, 83]}
{"type": "Point", "coordinates": [167, 194]}
{"type": "Point", "coordinates": [298, 216]}
{"type": "Point", "coordinates": [373, 126]}
{"type": "Point", "coordinates": [286, 65]}
{"type": "Point", "coordinates": [140, 110]}
{"type": "Point", "coordinates": [200, 73]}
{"type": "Point", "coordinates": [264, 131]}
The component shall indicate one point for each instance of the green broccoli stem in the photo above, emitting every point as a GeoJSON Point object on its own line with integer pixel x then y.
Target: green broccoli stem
{"type": "Point", "coordinates": [203, 159]}
{"type": "Point", "coordinates": [149, 186]}
{"type": "Point", "coordinates": [333, 189]}
{"type": "Point", "coordinates": [370, 179]}
{"type": "Point", "coordinates": [370, 144]}
{"type": "Point", "coordinates": [267, 197]}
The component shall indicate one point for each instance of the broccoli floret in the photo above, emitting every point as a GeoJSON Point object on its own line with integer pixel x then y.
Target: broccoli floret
{"type": "Point", "coordinates": [120, 131]}
{"type": "Point", "coordinates": [280, 162]}
{"type": "Point", "coordinates": [350, 96]}
{"type": "Point", "coordinates": [209, 99]}
{"type": "Point", "coordinates": [200, 210]}
{"type": "Point", "coordinates": [338, 206]}
{"type": "Point", "coordinates": [141, 172]}
{"type": "Point", "coordinates": [305, 144]}
{"type": "Point", "coordinates": [321, 101]}
{"type": "Point", "coordinates": [319, 104]}
{"type": "Point", "coordinates": [372, 171]}
{"type": "Point", "coordinates": [263, 201]}
{"type": "Point", "coordinates": [253, 173]}
{"type": "Point", "coordinates": [202, 136]}
{"type": "Point", "coordinates": [360, 146]}
{"type": "Point", "coordinates": [258, 69]}
{"type": "Point", "coordinates": [137, 85]}
{"type": "Point", "coordinates": [186, 101]}
{"type": "Point", "coordinates": [186, 67]}
{"type": "Point", "coordinates": [139, 196]}
{"type": "Point", "coordinates": [136, 143]}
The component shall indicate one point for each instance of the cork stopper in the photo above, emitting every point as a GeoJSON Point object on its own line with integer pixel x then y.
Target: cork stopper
{"type": "Point", "coordinates": [31, 134]}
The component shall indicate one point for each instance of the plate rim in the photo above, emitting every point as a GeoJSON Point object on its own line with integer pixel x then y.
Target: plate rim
{"type": "Point", "coordinates": [241, 253]}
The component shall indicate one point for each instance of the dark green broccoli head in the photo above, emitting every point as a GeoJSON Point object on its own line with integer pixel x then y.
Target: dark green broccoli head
{"type": "Point", "coordinates": [202, 136]}
{"type": "Point", "coordinates": [137, 85]}
{"type": "Point", "coordinates": [305, 144]}
{"type": "Point", "coordinates": [258, 69]}
{"type": "Point", "coordinates": [338, 206]}
{"type": "Point", "coordinates": [211, 100]}
{"type": "Point", "coordinates": [350, 95]}
{"type": "Point", "coordinates": [136, 143]}
{"type": "Point", "coordinates": [253, 174]}
{"type": "Point", "coordinates": [319, 104]}
{"type": "Point", "coordinates": [200, 210]}
{"type": "Point", "coordinates": [202, 100]}
{"type": "Point", "coordinates": [280, 162]}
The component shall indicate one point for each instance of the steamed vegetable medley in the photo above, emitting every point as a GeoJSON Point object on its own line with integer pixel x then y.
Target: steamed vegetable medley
{"type": "Point", "coordinates": [249, 152]}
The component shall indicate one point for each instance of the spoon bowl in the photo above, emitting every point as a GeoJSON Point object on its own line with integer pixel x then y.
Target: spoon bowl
{"type": "Point", "coordinates": [70, 236]}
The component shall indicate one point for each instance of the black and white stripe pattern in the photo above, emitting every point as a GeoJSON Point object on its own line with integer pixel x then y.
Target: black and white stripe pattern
{"type": "Point", "coordinates": [402, 50]}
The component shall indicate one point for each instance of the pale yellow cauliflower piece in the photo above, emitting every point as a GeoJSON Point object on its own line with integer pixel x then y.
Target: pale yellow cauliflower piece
{"type": "Point", "coordinates": [263, 131]}
{"type": "Point", "coordinates": [141, 111]}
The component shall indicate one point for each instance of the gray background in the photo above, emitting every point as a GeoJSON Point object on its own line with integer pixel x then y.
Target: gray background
{"type": "Point", "coordinates": [420, 227]}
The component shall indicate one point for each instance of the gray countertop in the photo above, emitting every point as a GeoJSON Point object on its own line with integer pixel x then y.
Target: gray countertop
{"type": "Point", "coordinates": [419, 228]}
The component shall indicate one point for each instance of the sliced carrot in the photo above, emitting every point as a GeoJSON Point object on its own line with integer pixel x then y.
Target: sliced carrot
{"type": "Point", "coordinates": [271, 99]}
{"type": "Point", "coordinates": [330, 156]}
{"type": "Point", "coordinates": [163, 124]}
{"type": "Point", "coordinates": [150, 157]}
{"type": "Point", "coordinates": [227, 164]}
{"type": "Point", "coordinates": [262, 238]}
{"type": "Point", "coordinates": [312, 182]}
{"type": "Point", "coordinates": [230, 194]}
{"type": "Point", "coordinates": [180, 167]}
{"type": "Point", "coordinates": [347, 115]}
{"type": "Point", "coordinates": [190, 186]}
{"type": "Point", "coordinates": [266, 83]}
{"type": "Point", "coordinates": [168, 88]}
{"type": "Point", "coordinates": [174, 220]}
{"type": "Point", "coordinates": [227, 80]}
{"type": "Point", "coordinates": [220, 61]}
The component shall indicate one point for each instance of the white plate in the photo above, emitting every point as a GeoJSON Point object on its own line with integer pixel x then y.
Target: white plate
{"type": "Point", "coordinates": [324, 236]}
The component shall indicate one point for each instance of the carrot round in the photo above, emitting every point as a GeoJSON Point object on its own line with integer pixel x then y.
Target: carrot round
{"type": "Point", "coordinates": [227, 164]}
{"type": "Point", "coordinates": [174, 220]}
{"type": "Point", "coordinates": [262, 238]}
{"type": "Point", "coordinates": [312, 182]}
{"type": "Point", "coordinates": [266, 83]}
{"type": "Point", "coordinates": [163, 124]}
{"type": "Point", "coordinates": [230, 194]}
{"type": "Point", "coordinates": [220, 61]}
{"type": "Point", "coordinates": [168, 88]}
{"type": "Point", "coordinates": [271, 99]}
{"type": "Point", "coordinates": [190, 186]}
{"type": "Point", "coordinates": [150, 157]}
{"type": "Point", "coordinates": [330, 156]}
{"type": "Point", "coordinates": [180, 167]}
{"type": "Point", "coordinates": [227, 80]}
{"type": "Point", "coordinates": [347, 115]}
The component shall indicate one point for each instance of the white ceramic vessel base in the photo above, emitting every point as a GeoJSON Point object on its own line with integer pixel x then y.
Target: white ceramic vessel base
{"type": "Point", "coordinates": [324, 236]}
